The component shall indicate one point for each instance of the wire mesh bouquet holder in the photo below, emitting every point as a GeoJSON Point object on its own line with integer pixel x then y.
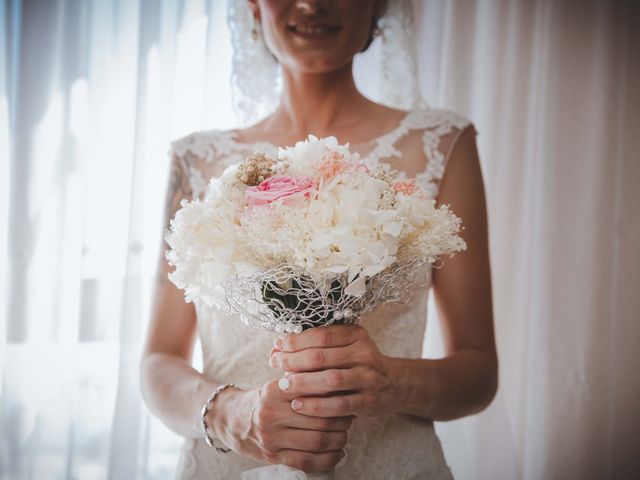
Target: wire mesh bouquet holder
{"type": "Point", "coordinates": [286, 298]}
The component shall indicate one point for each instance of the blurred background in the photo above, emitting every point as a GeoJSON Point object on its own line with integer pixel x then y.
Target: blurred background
{"type": "Point", "coordinates": [93, 91]}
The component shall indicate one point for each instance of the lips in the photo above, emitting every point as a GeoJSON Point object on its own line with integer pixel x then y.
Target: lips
{"type": "Point", "coordinates": [310, 29]}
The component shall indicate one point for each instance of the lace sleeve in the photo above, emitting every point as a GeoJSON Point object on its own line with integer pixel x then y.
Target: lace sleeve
{"type": "Point", "coordinates": [438, 144]}
{"type": "Point", "coordinates": [195, 154]}
{"type": "Point", "coordinates": [179, 185]}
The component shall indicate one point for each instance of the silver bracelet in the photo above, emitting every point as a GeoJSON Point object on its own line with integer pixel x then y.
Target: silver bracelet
{"type": "Point", "coordinates": [203, 415]}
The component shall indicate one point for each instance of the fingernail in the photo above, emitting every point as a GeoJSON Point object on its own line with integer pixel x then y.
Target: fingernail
{"type": "Point", "coordinates": [296, 404]}
{"type": "Point", "coordinates": [278, 343]}
{"type": "Point", "coordinates": [283, 383]}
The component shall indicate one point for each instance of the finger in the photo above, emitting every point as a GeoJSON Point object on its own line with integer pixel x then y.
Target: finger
{"type": "Point", "coordinates": [331, 336]}
{"type": "Point", "coordinates": [336, 406]}
{"type": "Point", "coordinates": [312, 359]}
{"type": "Point", "coordinates": [310, 462]}
{"type": "Point", "coordinates": [327, 381]}
{"type": "Point", "coordinates": [311, 440]}
{"type": "Point", "coordinates": [284, 416]}
{"type": "Point", "coordinates": [292, 419]}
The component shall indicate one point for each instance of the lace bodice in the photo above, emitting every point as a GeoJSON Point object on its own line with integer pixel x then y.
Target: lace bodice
{"type": "Point", "coordinates": [398, 446]}
{"type": "Point", "coordinates": [423, 140]}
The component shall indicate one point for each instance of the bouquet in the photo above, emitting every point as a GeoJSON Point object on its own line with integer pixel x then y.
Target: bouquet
{"type": "Point", "coordinates": [311, 238]}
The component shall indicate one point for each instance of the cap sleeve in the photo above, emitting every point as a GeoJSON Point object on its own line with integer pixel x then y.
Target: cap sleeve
{"type": "Point", "coordinates": [439, 139]}
{"type": "Point", "coordinates": [194, 155]}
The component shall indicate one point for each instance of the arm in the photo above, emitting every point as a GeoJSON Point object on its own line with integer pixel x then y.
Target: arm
{"type": "Point", "coordinates": [466, 380]}
{"type": "Point", "coordinates": [256, 423]}
{"type": "Point", "coordinates": [172, 389]}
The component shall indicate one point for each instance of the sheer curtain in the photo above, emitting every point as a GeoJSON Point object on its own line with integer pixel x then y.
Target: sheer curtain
{"type": "Point", "coordinates": [95, 91]}
{"type": "Point", "coordinates": [91, 92]}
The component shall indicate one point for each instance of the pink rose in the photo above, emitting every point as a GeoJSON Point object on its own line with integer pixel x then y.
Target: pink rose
{"type": "Point", "coordinates": [279, 186]}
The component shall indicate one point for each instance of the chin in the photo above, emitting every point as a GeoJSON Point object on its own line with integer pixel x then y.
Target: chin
{"type": "Point", "coordinates": [320, 59]}
{"type": "Point", "coordinates": [316, 64]}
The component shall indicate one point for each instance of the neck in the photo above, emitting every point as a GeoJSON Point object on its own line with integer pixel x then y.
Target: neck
{"type": "Point", "coordinates": [319, 103]}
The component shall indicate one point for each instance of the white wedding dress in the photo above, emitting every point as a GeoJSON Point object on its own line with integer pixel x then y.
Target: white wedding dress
{"type": "Point", "coordinates": [399, 446]}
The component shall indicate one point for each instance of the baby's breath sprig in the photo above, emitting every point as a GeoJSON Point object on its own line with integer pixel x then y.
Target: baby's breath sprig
{"type": "Point", "coordinates": [256, 169]}
{"type": "Point", "coordinates": [385, 173]}
{"type": "Point", "coordinates": [388, 199]}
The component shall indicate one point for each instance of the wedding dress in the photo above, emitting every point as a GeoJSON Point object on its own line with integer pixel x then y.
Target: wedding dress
{"type": "Point", "coordinates": [398, 446]}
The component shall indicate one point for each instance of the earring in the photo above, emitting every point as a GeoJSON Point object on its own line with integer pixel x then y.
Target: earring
{"type": "Point", "coordinates": [377, 31]}
{"type": "Point", "coordinates": [255, 30]}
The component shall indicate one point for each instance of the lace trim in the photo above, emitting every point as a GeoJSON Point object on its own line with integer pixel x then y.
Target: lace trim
{"type": "Point", "coordinates": [416, 119]}
{"type": "Point", "coordinates": [430, 178]}
{"type": "Point", "coordinates": [197, 181]}
{"type": "Point", "coordinates": [437, 123]}
{"type": "Point", "coordinates": [223, 146]}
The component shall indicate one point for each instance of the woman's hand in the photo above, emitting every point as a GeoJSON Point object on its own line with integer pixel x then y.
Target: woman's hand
{"type": "Point", "coordinates": [338, 358]}
{"type": "Point", "coordinates": [260, 424]}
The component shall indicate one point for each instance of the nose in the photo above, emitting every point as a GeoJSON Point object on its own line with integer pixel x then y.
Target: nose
{"type": "Point", "coordinates": [313, 7]}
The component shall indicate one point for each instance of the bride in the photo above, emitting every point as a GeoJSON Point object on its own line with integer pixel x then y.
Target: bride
{"type": "Point", "coordinates": [357, 397]}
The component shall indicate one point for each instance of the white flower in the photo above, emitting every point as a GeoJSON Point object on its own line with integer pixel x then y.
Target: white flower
{"type": "Point", "coordinates": [230, 175]}
{"type": "Point", "coordinates": [352, 233]}
{"type": "Point", "coordinates": [304, 157]}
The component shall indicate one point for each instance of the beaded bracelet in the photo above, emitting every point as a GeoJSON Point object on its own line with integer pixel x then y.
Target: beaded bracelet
{"type": "Point", "coordinates": [203, 415]}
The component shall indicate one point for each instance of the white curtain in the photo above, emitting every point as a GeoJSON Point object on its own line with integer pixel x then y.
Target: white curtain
{"type": "Point", "coordinates": [554, 89]}
{"type": "Point", "coordinates": [91, 92]}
